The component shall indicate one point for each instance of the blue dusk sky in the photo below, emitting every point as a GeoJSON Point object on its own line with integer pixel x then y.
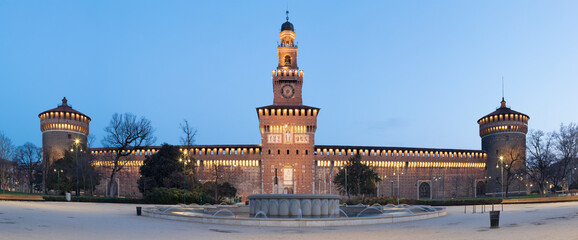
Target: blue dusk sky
{"type": "Point", "coordinates": [384, 73]}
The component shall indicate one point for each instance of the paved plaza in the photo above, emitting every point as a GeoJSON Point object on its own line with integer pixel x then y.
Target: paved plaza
{"type": "Point", "coordinates": [62, 220]}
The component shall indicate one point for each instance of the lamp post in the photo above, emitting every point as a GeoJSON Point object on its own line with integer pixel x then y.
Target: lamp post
{"type": "Point", "coordinates": [435, 179]}
{"type": "Point", "coordinates": [502, 178]}
{"type": "Point", "coordinates": [383, 186]}
{"type": "Point", "coordinates": [571, 177]}
{"type": "Point", "coordinates": [76, 147]}
{"type": "Point", "coordinates": [58, 171]}
{"type": "Point", "coordinates": [184, 177]}
{"type": "Point", "coordinates": [397, 173]}
{"type": "Point", "coordinates": [346, 190]}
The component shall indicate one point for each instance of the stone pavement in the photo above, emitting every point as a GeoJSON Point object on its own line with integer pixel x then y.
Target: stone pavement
{"type": "Point", "coordinates": [62, 220]}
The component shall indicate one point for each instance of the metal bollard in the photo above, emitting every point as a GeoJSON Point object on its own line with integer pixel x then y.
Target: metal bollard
{"type": "Point", "coordinates": [138, 211]}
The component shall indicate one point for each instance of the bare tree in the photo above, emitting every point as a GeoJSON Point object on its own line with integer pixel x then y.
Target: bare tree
{"type": "Point", "coordinates": [566, 147]}
{"type": "Point", "coordinates": [125, 135]}
{"type": "Point", "coordinates": [187, 141]}
{"type": "Point", "coordinates": [513, 165]}
{"type": "Point", "coordinates": [6, 165]}
{"type": "Point", "coordinates": [540, 157]}
{"type": "Point", "coordinates": [29, 158]}
{"type": "Point", "coordinates": [6, 147]}
{"type": "Point", "coordinates": [189, 133]}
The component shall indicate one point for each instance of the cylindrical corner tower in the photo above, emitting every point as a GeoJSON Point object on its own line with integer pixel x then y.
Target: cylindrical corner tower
{"type": "Point", "coordinates": [503, 134]}
{"type": "Point", "coordinates": [61, 127]}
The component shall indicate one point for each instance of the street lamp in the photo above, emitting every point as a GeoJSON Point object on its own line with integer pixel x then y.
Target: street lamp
{"type": "Point", "coordinates": [383, 186]}
{"type": "Point", "coordinates": [346, 190]}
{"type": "Point", "coordinates": [58, 171]}
{"type": "Point", "coordinates": [397, 173]}
{"type": "Point", "coordinates": [184, 177]}
{"type": "Point", "coordinates": [76, 146]}
{"type": "Point", "coordinates": [435, 180]}
{"type": "Point", "coordinates": [502, 178]}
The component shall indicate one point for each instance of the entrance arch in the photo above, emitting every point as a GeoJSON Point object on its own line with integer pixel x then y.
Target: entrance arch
{"type": "Point", "coordinates": [424, 191]}
{"type": "Point", "coordinates": [480, 189]}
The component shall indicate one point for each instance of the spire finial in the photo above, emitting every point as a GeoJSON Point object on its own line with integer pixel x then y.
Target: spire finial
{"type": "Point", "coordinates": [503, 102]}
{"type": "Point", "coordinates": [502, 88]}
{"type": "Point", "coordinates": [287, 12]}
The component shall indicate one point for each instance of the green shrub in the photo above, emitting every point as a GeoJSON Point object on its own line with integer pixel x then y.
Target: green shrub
{"type": "Point", "coordinates": [175, 196]}
{"type": "Point", "coordinates": [437, 202]}
{"type": "Point", "coordinates": [60, 198]}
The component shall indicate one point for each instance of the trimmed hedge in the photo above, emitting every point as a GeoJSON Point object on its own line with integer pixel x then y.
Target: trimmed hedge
{"type": "Point", "coordinates": [175, 196]}
{"type": "Point", "coordinates": [437, 202]}
{"type": "Point", "coordinates": [60, 198]}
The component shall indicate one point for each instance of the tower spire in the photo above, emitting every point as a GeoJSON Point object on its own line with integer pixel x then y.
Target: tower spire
{"type": "Point", "coordinates": [503, 103]}
{"type": "Point", "coordinates": [502, 88]}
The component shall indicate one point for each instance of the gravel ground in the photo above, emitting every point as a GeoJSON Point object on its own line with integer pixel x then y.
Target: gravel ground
{"type": "Point", "coordinates": [58, 220]}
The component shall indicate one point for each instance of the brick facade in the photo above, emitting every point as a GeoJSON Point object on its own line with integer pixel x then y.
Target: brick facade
{"type": "Point", "coordinates": [288, 161]}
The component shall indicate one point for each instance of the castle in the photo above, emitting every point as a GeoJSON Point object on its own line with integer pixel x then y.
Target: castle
{"type": "Point", "coordinates": [288, 160]}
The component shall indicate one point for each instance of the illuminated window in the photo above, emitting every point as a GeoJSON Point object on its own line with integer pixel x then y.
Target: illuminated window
{"type": "Point", "coordinates": [287, 60]}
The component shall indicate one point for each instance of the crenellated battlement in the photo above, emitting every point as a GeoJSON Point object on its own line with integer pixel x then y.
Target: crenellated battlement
{"type": "Point", "coordinates": [197, 150]}
{"type": "Point", "coordinates": [503, 120]}
{"type": "Point", "coordinates": [64, 126]}
{"type": "Point", "coordinates": [288, 73]}
{"type": "Point", "coordinates": [401, 164]}
{"type": "Point", "coordinates": [287, 111]}
{"type": "Point", "coordinates": [401, 157]}
{"type": "Point", "coordinates": [64, 118]}
{"type": "Point", "coordinates": [504, 117]}
{"type": "Point", "coordinates": [499, 128]}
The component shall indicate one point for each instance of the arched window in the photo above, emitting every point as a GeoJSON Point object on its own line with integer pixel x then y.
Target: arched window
{"type": "Point", "coordinates": [287, 60]}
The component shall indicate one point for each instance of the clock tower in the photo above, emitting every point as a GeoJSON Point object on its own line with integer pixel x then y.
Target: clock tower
{"type": "Point", "coordinates": [287, 127]}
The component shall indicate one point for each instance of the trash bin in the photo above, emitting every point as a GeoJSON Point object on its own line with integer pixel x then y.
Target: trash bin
{"type": "Point", "coordinates": [68, 197]}
{"type": "Point", "coordinates": [138, 211]}
{"type": "Point", "coordinates": [494, 219]}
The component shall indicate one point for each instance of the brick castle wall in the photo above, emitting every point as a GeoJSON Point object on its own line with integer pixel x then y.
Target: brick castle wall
{"type": "Point", "coordinates": [449, 173]}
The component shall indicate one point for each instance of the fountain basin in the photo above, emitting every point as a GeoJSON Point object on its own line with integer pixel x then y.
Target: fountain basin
{"type": "Point", "coordinates": [294, 205]}
{"type": "Point", "coordinates": [196, 214]}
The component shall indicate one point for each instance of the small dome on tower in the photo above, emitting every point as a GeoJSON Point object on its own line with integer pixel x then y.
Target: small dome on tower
{"type": "Point", "coordinates": [287, 26]}
{"type": "Point", "coordinates": [64, 108]}
{"type": "Point", "coordinates": [503, 110]}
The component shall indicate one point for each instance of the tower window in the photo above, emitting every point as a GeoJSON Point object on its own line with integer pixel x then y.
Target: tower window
{"type": "Point", "coordinates": [269, 151]}
{"type": "Point", "coordinates": [278, 151]}
{"type": "Point", "coordinates": [287, 151]}
{"type": "Point", "coordinates": [306, 152]}
{"type": "Point", "coordinates": [287, 60]}
{"type": "Point", "coordinates": [297, 152]}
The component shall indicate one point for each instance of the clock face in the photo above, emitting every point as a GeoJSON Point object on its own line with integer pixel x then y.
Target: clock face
{"type": "Point", "coordinates": [287, 91]}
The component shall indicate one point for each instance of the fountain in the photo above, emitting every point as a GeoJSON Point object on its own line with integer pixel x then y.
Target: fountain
{"type": "Point", "coordinates": [295, 210]}
{"type": "Point", "coordinates": [294, 205]}
{"type": "Point", "coordinates": [224, 210]}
